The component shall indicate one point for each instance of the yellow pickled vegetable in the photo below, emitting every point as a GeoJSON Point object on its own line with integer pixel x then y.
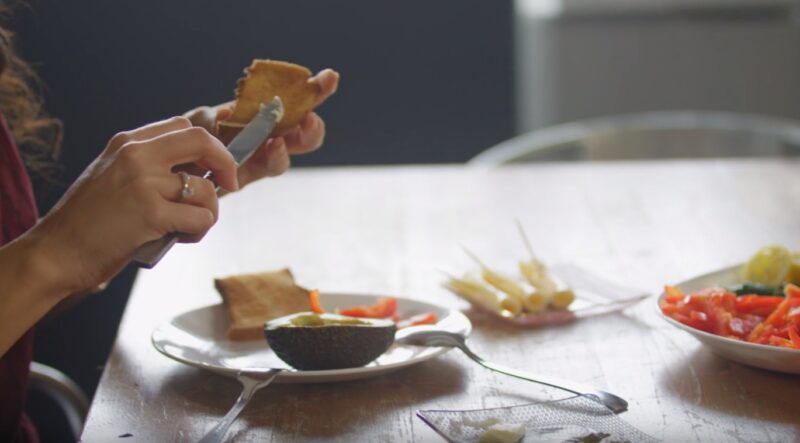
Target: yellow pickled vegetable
{"type": "Point", "coordinates": [476, 292]}
{"type": "Point", "coordinates": [562, 298]}
{"type": "Point", "coordinates": [531, 300]}
{"type": "Point", "coordinates": [503, 283]}
{"type": "Point", "coordinates": [536, 274]}
{"type": "Point", "coordinates": [536, 301]}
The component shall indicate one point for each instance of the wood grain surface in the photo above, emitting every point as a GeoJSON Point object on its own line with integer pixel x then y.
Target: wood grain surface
{"type": "Point", "coordinates": [393, 230]}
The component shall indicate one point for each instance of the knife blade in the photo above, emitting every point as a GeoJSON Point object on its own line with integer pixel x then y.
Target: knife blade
{"type": "Point", "coordinates": [260, 127]}
{"type": "Point", "coordinates": [241, 147]}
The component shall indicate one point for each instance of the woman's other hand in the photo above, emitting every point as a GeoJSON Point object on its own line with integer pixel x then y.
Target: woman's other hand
{"type": "Point", "coordinates": [272, 158]}
{"type": "Point", "coordinates": [130, 195]}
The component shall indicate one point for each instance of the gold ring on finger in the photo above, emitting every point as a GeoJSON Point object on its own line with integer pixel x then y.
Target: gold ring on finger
{"type": "Point", "coordinates": [186, 187]}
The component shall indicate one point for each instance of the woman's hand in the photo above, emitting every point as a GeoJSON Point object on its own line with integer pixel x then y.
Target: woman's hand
{"type": "Point", "coordinates": [130, 195]}
{"type": "Point", "coordinates": [272, 158]}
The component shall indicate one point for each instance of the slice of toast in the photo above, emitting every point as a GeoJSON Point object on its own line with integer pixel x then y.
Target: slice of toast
{"type": "Point", "coordinates": [252, 299]}
{"type": "Point", "coordinates": [264, 80]}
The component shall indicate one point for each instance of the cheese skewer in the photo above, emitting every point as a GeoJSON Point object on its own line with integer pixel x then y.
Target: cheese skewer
{"type": "Point", "coordinates": [535, 272]}
{"type": "Point", "coordinates": [562, 298]}
{"type": "Point", "coordinates": [532, 301]}
{"type": "Point", "coordinates": [477, 293]}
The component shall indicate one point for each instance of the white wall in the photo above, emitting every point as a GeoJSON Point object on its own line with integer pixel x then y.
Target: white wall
{"type": "Point", "coordinates": [570, 66]}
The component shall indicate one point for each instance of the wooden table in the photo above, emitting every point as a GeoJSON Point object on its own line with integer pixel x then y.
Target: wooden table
{"type": "Point", "coordinates": [392, 229]}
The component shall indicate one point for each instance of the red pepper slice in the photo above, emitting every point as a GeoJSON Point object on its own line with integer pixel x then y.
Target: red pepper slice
{"type": "Point", "coordinates": [779, 341]}
{"type": "Point", "coordinates": [427, 318]}
{"type": "Point", "coordinates": [673, 294]}
{"type": "Point", "coordinates": [794, 335]}
{"type": "Point", "coordinates": [385, 308]}
{"type": "Point", "coordinates": [313, 300]}
{"type": "Point", "coordinates": [762, 305]}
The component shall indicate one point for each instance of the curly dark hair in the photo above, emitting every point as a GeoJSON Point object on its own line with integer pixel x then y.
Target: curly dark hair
{"type": "Point", "coordinates": [36, 133]}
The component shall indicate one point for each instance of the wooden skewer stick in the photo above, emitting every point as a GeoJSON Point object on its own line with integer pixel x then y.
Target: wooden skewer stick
{"type": "Point", "coordinates": [525, 239]}
{"type": "Point", "coordinates": [475, 258]}
{"type": "Point", "coordinates": [446, 274]}
{"type": "Point", "coordinates": [535, 271]}
{"type": "Point", "coordinates": [501, 282]}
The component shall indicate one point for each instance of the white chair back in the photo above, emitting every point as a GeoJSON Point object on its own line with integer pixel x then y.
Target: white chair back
{"type": "Point", "coordinates": [651, 135]}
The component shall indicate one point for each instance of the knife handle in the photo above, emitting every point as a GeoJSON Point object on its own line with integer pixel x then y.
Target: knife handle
{"type": "Point", "coordinates": [150, 253]}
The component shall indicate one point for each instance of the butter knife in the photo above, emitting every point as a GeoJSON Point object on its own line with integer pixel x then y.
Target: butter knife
{"type": "Point", "coordinates": [241, 147]}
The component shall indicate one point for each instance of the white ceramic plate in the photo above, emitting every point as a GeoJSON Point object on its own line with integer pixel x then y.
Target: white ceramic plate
{"type": "Point", "coordinates": [197, 338]}
{"type": "Point", "coordinates": [752, 354]}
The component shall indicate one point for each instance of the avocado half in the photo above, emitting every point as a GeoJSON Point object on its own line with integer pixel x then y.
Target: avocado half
{"type": "Point", "coordinates": [311, 342]}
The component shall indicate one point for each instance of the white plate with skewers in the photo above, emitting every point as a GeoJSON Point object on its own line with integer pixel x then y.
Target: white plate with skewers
{"type": "Point", "coordinates": [536, 295]}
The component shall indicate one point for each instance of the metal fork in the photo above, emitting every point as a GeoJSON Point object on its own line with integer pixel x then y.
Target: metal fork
{"type": "Point", "coordinates": [252, 381]}
{"type": "Point", "coordinates": [433, 336]}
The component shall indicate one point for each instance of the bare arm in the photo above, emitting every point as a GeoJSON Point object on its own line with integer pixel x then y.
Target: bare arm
{"type": "Point", "coordinates": [30, 284]}
{"type": "Point", "coordinates": [126, 197]}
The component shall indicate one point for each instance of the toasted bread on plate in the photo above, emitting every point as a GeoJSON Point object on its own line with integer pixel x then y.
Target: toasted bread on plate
{"type": "Point", "coordinates": [253, 299]}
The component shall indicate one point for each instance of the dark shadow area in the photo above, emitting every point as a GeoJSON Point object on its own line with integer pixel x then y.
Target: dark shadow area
{"type": "Point", "coordinates": [50, 421]}
{"type": "Point", "coordinates": [78, 341]}
{"type": "Point", "coordinates": [416, 87]}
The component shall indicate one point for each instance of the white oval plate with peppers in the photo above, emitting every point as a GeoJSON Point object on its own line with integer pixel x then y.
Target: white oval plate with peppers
{"type": "Point", "coordinates": [197, 338]}
{"type": "Point", "coordinates": [751, 354]}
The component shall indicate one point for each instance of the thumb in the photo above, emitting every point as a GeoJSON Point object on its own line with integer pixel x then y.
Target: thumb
{"type": "Point", "coordinates": [223, 113]}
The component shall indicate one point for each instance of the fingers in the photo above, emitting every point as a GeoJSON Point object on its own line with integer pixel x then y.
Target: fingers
{"type": "Point", "coordinates": [196, 145]}
{"type": "Point", "coordinates": [308, 136]}
{"type": "Point", "coordinates": [167, 216]}
{"type": "Point", "coordinates": [207, 117]}
{"type": "Point", "coordinates": [273, 157]}
{"type": "Point", "coordinates": [192, 222]}
{"type": "Point", "coordinates": [223, 113]}
{"type": "Point", "coordinates": [203, 116]}
{"type": "Point", "coordinates": [201, 192]}
{"type": "Point", "coordinates": [310, 133]}
{"type": "Point", "coordinates": [270, 160]}
{"type": "Point", "coordinates": [328, 80]}
{"type": "Point", "coordinates": [277, 161]}
{"type": "Point", "coordinates": [226, 107]}
{"type": "Point", "coordinates": [174, 141]}
{"type": "Point", "coordinates": [146, 132]}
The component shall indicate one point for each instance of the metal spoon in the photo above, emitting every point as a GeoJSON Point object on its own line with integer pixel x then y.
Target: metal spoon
{"type": "Point", "coordinates": [252, 381]}
{"type": "Point", "coordinates": [433, 336]}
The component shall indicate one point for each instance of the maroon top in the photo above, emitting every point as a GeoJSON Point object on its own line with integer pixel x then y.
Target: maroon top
{"type": "Point", "coordinates": [17, 214]}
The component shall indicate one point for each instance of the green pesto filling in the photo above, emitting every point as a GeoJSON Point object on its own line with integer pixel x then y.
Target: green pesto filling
{"type": "Point", "coordinates": [316, 320]}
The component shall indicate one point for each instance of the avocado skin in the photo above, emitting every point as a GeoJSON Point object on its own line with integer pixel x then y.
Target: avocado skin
{"type": "Point", "coordinates": [312, 348]}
